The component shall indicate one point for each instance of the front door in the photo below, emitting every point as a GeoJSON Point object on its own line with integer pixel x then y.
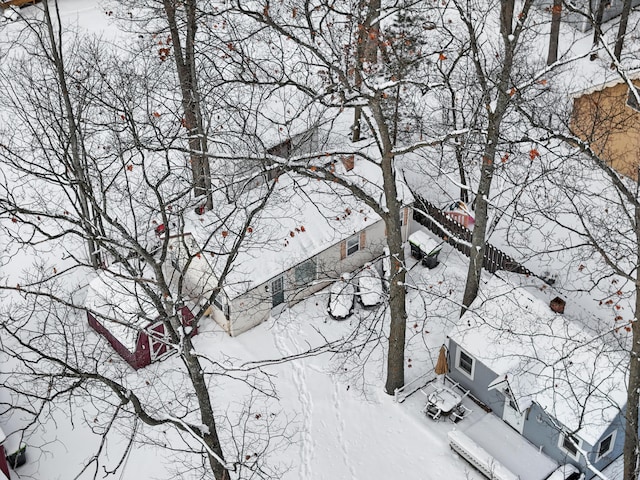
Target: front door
{"type": "Point", "coordinates": [511, 414]}
{"type": "Point", "coordinates": [277, 291]}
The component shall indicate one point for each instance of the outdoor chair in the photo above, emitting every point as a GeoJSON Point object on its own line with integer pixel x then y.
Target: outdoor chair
{"type": "Point", "coordinates": [432, 411]}
{"type": "Point", "coordinates": [458, 413]}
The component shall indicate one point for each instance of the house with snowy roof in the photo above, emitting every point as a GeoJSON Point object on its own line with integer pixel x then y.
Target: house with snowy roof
{"type": "Point", "coordinates": [305, 236]}
{"type": "Point", "coordinates": [248, 257]}
{"type": "Point", "coordinates": [546, 377]}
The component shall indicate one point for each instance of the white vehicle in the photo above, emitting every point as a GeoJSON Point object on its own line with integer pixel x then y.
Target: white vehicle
{"type": "Point", "coordinates": [341, 298]}
{"type": "Point", "coordinates": [370, 289]}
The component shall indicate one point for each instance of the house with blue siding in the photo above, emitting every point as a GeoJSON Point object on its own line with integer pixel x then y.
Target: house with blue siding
{"type": "Point", "coordinates": [557, 384]}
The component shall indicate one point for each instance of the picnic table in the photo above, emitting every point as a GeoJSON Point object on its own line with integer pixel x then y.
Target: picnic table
{"type": "Point", "coordinates": [445, 399]}
{"type": "Point", "coordinates": [444, 402]}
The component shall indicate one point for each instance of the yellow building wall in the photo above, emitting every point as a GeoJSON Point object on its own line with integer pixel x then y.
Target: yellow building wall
{"type": "Point", "coordinates": [604, 119]}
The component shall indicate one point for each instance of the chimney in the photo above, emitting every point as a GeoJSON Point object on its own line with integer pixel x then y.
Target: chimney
{"type": "Point", "coordinates": [557, 305]}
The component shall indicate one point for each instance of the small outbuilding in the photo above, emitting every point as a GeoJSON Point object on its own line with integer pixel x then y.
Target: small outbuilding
{"type": "Point", "coordinates": [120, 310]}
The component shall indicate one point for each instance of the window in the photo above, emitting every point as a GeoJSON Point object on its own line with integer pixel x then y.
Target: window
{"type": "Point", "coordinates": [277, 291]}
{"type": "Point", "coordinates": [306, 272]}
{"type": "Point", "coordinates": [217, 302]}
{"type": "Point", "coordinates": [465, 363]}
{"type": "Point", "coordinates": [632, 102]}
{"type": "Point", "coordinates": [606, 445]}
{"type": "Point", "coordinates": [353, 245]}
{"type": "Point", "coordinates": [570, 443]}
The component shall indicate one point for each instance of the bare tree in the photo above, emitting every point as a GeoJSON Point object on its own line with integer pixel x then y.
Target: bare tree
{"type": "Point", "coordinates": [497, 93]}
{"type": "Point", "coordinates": [132, 180]}
{"type": "Point", "coordinates": [330, 73]}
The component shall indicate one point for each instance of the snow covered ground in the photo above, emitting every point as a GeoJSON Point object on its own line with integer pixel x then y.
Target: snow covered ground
{"type": "Point", "coordinates": [342, 424]}
{"type": "Point", "coordinates": [341, 428]}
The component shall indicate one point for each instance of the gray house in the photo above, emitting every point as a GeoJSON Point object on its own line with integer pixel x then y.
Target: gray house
{"type": "Point", "coordinates": [552, 382]}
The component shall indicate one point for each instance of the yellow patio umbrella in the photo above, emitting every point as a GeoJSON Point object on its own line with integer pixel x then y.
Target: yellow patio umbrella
{"type": "Point", "coordinates": [441, 365]}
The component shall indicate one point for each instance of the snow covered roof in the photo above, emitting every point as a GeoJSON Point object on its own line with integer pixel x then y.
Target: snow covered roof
{"type": "Point", "coordinates": [319, 137]}
{"type": "Point", "coordinates": [609, 80]}
{"type": "Point", "coordinates": [577, 378]}
{"type": "Point", "coordinates": [121, 306]}
{"type": "Point", "coordinates": [302, 218]}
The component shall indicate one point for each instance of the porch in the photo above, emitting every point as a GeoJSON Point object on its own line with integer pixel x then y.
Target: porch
{"type": "Point", "coordinates": [499, 452]}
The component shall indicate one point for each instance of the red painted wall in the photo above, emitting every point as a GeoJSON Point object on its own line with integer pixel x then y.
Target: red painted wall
{"type": "Point", "coordinates": [142, 356]}
{"type": "Point", "coordinates": [4, 466]}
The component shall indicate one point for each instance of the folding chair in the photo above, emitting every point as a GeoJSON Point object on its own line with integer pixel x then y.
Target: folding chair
{"type": "Point", "coordinates": [432, 411]}
{"type": "Point", "coordinates": [458, 413]}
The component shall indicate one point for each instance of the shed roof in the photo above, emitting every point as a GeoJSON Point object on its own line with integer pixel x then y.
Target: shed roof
{"type": "Point", "coordinates": [121, 305]}
{"type": "Point", "coordinates": [576, 377]}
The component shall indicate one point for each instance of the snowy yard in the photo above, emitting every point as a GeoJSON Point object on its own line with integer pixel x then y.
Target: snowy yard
{"type": "Point", "coordinates": [301, 394]}
{"type": "Point", "coordinates": [343, 426]}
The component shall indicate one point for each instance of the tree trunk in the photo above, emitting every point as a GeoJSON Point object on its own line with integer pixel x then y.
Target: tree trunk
{"type": "Point", "coordinates": [397, 293]}
{"type": "Point", "coordinates": [506, 17]}
{"type": "Point", "coordinates": [478, 237]}
{"type": "Point", "coordinates": [597, 25]}
{"type": "Point", "coordinates": [206, 412]}
{"type": "Point", "coordinates": [622, 29]}
{"type": "Point", "coordinates": [397, 308]}
{"type": "Point", "coordinates": [356, 129]}
{"type": "Point", "coordinates": [631, 456]}
{"type": "Point", "coordinates": [82, 187]}
{"type": "Point", "coordinates": [464, 191]}
{"type": "Point", "coordinates": [187, 77]}
{"type": "Point", "coordinates": [495, 115]}
{"type": "Point", "coordinates": [366, 51]}
{"type": "Point", "coordinates": [209, 435]}
{"type": "Point", "coordinates": [630, 451]}
{"type": "Point", "coordinates": [556, 15]}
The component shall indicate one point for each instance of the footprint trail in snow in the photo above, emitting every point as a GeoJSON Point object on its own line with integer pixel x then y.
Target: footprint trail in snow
{"type": "Point", "coordinates": [287, 333]}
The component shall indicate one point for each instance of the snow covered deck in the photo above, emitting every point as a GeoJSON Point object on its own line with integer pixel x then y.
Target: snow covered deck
{"type": "Point", "coordinates": [500, 452]}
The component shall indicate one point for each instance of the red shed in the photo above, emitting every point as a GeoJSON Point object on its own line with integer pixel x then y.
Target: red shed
{"type": "Point", "coordinates": [120, 310]}
{"type": "Point", "coordinates": [4, 466]}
